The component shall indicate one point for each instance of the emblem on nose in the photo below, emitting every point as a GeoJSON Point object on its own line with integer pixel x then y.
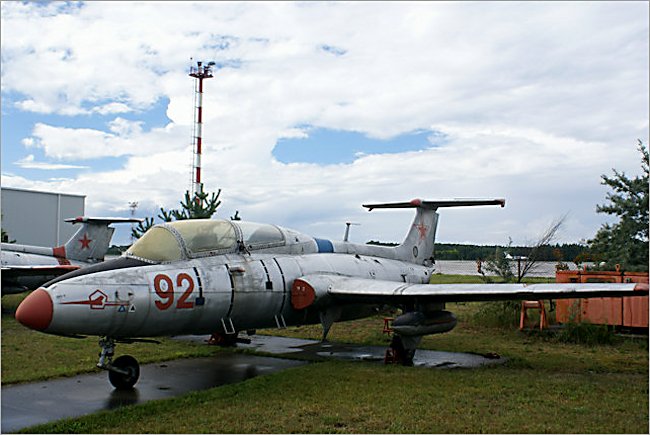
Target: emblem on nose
{"type": "Point", "coordinates": [35, 311]}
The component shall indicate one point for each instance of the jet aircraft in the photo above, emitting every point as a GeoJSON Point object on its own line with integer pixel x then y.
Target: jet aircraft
{"type": "Point", "coordinates": [27, 267]}
{"type": "Point", "coordinates": [222, 277]}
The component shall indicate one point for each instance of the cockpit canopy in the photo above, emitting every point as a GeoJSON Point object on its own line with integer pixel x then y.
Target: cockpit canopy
{"type": "Point", "coordinates": [193, 238]}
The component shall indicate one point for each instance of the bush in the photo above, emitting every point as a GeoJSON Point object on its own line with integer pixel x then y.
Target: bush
{"type": "Point", "coordinates": [504, 314]}
{"type": "Point", "coordinates": [585, 333]}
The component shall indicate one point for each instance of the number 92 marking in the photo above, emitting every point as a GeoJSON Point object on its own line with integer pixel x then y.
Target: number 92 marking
{"type": "Point", "coordinates": [164, 288]}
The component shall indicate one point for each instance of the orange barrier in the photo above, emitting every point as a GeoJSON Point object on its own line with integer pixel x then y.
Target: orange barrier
{"type": "Point", "coordinates": [628, 312]}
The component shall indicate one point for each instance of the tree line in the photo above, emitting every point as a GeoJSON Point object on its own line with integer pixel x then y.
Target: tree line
{"type": "Point", "coordinates": [560, 252]}
{"type": "Point", "coordinates": [557, 252]}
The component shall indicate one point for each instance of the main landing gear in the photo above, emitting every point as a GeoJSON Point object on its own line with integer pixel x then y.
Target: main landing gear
{"type": "Point", "coordinates": [223, 339]}
{"type": "Point", "coordinates": [398, 353]}
{"type": "Point", "coordinates": [124, 372]}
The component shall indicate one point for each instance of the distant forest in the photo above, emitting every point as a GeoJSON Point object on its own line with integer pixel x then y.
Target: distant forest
{"type": "Point", "coordinates": [567, 252]}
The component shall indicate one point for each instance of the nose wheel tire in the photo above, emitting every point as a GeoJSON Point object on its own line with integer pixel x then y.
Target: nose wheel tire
{"type": "Point", "coordinates": [128, 374]}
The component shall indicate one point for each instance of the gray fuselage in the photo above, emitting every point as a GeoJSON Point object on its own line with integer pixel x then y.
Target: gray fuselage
{"type": "Point", "coordinates": [225, 294]}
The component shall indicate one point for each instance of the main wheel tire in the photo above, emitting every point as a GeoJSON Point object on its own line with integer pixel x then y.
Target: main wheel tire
{"type": "Point", "coordinates": [223, 340]}
{"type": "Point", "coordinates": [125, 381]}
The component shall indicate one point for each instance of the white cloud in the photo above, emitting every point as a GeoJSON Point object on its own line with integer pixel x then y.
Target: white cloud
{"type": "Point", "coordinates": [537, 99]}
{"type": "Point", "coordinates": [111, 108]}
{"type": "Point", "coordinates": [30, 163]}
{"type": "Point", "coordinates": [123, 138]}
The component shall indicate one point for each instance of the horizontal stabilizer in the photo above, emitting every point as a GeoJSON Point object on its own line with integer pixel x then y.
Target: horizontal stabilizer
{"type": "Point", "coordinates": [435, 204]}
{"type": "Point", "coordinates": [102, 220]}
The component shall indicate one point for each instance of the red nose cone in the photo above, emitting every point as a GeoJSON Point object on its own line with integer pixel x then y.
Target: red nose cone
{"type": "Point", "coordinates": [35, 311]}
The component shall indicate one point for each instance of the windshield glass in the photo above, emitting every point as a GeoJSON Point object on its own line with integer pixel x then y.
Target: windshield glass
{"type": "Point", "coordinates": [157, 244]}
{"type": "Point", "coordinates": [260, 234]}
{"type": "Point", "coordinates": [198, 236]}
{"type": "Point", "coordinates": [206, 235]}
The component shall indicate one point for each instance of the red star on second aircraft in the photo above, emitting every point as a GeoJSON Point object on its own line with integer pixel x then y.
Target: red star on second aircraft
{"type": "Point", "coordinates": [85, 242]}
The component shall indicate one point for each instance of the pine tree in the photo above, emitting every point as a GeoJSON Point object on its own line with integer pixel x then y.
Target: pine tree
{"type": "Point", "coordinates": [199, 206]}
{"type": "Point", "coordinates": [625, 242]}
{"type": "Point", "coordinates": [202, 205]}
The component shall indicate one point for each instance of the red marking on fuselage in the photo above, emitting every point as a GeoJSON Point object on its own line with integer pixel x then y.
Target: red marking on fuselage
{"type": "Point", "coordinates": [97, 300]}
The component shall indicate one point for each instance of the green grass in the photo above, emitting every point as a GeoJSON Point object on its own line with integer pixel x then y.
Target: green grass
{"type": "Point", "coordinates": [546, 386]}
{"type": "Point", "coordinates": [529, 349]}
{"type": "Point", "coordinates": [28, 355]}
{"type": "Point", "coordinates": [348, 397]}
{"type": "Point", "coordinates": [438, 278]}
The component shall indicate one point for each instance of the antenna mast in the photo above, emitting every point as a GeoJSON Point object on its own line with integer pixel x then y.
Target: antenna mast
{"type": "Point", "coordinates": [133, 205]}
{"type": "Point", "coordinates": [199, 73]}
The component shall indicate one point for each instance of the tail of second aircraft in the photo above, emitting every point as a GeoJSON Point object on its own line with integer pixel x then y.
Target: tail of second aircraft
{"type": "Point", "coordinates": [91, 240]}
{"type": "Point", "coordinates": [417, 247]}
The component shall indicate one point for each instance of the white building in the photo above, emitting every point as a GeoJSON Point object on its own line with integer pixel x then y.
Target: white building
{"type": "Point", "coordinates": [37, 218]}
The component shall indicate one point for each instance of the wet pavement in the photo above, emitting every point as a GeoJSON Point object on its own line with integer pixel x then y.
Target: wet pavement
{"type": "Point", "coordinates": [316, 350]}
{"type": "Point", "coordinates": [25, 405]}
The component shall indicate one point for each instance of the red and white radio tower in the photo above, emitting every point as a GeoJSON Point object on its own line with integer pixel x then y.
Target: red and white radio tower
{"type": "Point", "coordinates": [199, 72]}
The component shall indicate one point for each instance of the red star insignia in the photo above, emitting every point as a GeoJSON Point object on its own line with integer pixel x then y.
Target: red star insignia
{"type": "Point", "coordinates": [422, 229]}
{"type": "Point", "coordinates": [85, 242]}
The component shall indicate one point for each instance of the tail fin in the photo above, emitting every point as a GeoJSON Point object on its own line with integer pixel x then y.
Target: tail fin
{"type": "Point", "coordinates": [90, 242]}
{"type": "Point", "coordinates": [417, 247]}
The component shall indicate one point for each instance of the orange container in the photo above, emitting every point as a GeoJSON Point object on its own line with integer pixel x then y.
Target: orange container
{"type": "Point", "coordinates": [635, 312]}
{"type": "Point", "coordinates": [628, 312]}
{"type": "Point", "coordinates": [603, 311]}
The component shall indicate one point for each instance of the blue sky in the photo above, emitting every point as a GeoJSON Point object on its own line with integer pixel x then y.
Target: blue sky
{"type": "Point", "coordinates": [19, 124]}
{"type": "Point", "coordinates": [318, 107]}
{"type": "Point", "coordinates": [326, 147]}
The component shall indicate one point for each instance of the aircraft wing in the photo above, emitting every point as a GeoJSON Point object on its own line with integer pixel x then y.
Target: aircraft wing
{"type": "Point", "coordinates": [16, 271]}
{"type": "Point", "coordinates": [310, 289]}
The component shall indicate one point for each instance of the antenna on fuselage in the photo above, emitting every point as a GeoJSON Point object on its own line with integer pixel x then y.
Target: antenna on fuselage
{"type": "Point", "coordinates": [347, 230]}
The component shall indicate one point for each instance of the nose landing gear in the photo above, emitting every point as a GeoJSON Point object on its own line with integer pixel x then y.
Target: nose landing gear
{"type": "Point", "coordinates": [123, 373]}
